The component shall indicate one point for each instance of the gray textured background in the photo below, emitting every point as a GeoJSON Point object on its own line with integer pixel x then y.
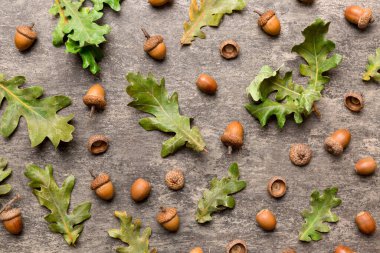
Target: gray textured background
{"type": "Point", "coordinates": [136, 153]}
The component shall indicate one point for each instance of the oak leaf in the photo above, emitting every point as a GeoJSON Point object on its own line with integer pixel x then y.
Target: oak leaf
{"type": "Point", "coordinates": [4, 173]}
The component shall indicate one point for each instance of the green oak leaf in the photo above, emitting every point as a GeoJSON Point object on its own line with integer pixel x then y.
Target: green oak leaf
{"type": "Point", "coordinates": [218, 196]}
{"type": "Point", "coordinates": [373, 67]}
{"type": "Point", "coordinates": [90, 55]}
{"type": "Point", "coordinates": [151, 97]}
{"type": "Point", "coordinates": [291, 98]}
{"type": "Point", "coordinates": [114, 4]}
{"type": "Point", "coordinates": [4, 173]}
{"type": "Point", "coordinates": [40, 113]}
{"type": "Point", "coordinates": [207, 13]}
{"type": "Point", "coordinates": [129, 233]}
{"type": "Point", "coordinates": [320, 212]}
{"type": "Point", "coordinates": [57, 200]}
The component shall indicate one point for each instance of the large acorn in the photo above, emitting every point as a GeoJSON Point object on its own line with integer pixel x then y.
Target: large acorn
{"type": "Point", "coordinates": [102, 185]}
{"type": "Point", "coordinates": [269, 22]}
{"type": "Point", "coordinates": [233, 136]}
{"type": "Point", "coordinates": [11, 217]}
{"type": "Point", "coordinates": [154, 46]}
{"type": "Point", "coordinates": [168, 218]}
{"type": "Point", "coordinates": [24, 37]}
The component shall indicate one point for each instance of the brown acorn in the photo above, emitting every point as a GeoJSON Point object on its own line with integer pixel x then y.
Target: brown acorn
{"type": "Point", "coordinates": [359, 16]}
{"type": "Point", "coordinates": [233, 136]}
{"type": "Point", "coordinates": [338, 141]}
{"type": "Point", "coordinates": [168, 218]}
{"type": "Point", "coordinates": [343, 249]}
{"type": "Point", "coordinates": [97, 144]}
{"type": "Point", "coordinates": [366, 223]}
{"type": "Point", "coordinates": [269, 22]}
{"type": "Point", "coordinates": [366, 166]}
{"type": "Point", "coordinates": [229, 49]}
{"type": "Point", "coordinates": [102, 185]}
{"type": "Point", "coordinates": [154, 46]}
{"type": "Point", "coordinates": [24, 37]}
{"type": "Point", "coordinates": [266, 220]}
{"type": "Point", "coordinates": [289, 250]}
{"type": "Point", "coordinates": [95, 98]}
{"type": "Point", "coordinates": [140, 189]}
{"type": "Point", "coordinates": [11, 217]}
{"type": "Point", "coordinates": [207, 84]}
{"type": "Point", "coordinates": [196, 250]}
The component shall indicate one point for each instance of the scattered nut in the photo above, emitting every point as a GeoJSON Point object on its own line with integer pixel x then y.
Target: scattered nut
{"type": "Point", "coordinates": [338, 141]}
{"type": "Point", "coordinates": [237, 246]}
{"type": "Point", "coordinates": [233, 136]}
{"type": "Point", "coordinates": [269, 22]}
{"type": "Point", "coordinates": [24, 37]}
{"type": "Point", "coordinates": [300, 154]}
{"type": "Point", "coordinates": [154, 46]}
{"type": "Point", "coordinates": [366, 166]}
{"type": "Point", "coordinates": [366, 223]}
{"type": "Point", "coordinates": [168, 218]}
{"type": "Point", "coordinates": [277, 187]}
{"type": "Point", "coordinates": [354, 101]}
{"type": "Point", "coordinates": [229, 49]}
{"type": "Point", "coordinates": [207, 84]}
{"type": "Point", "coordinates": [11, 217]}
{"type": "Point", "coordinates": [266, 220]}
{"type": "Point", "coordinates": [196, 250]}
{"type": "Point", "coordinates": [102, 185]}
{"type": "Point", "coordinates": [97, 144]}
{"type": "Point", "coordinates": [343, 249]}
{"type": "Point", "coordinates": [289, 250]}
{"type": "Point", "coordinates": [95, 98]}
{"type": "Point", "coordinates": [359, 16]}
{"type": "Point", "coordinates": [140, 189]}
{"type": "Point", "coordinates": [175, 179]}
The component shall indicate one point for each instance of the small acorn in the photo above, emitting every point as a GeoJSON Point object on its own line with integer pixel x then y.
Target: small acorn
{"type": "Point", "coordinates": [24, 37]}
{"type": "Point", "coordinates": [300, 154]}
{"type": "Point", "coordinates": [338, 141]}
{"type": "Point", "coordinates": [269, 22]}
{"type": "Point", "coordinates": [97, 144]}
{"type": "Point", "coordinates": [289, 250]}
{"type": "Point", "coordinates": [207, 84]}
{"type": "Point", "coordinates": [140, 189]}
{"type": "Point", "coordinates": [154, 46]}
{"type": "Point", "coordinates": [11, 217]}
{"type": "Point", "coordinates": [95, 98]}
{"type": "Point", "coordinates": [366, 166]}
{"type": "Point", "coordinates": [343, 249]}
{"type": "Point", "coordinates": [266, 220]}
{"type": "Point", "coordinates": [168, 218]}
{"type": "Point", "coordinates": [196, 250]}
{"type": "Point", "coordinates": [175, 179]}
{"type": "Point", "coordinates": [366, 223]}
{"type": "Point", "coordinates": [158, 3]}
{"type": "Point", "coordinates": [229, 49]}
{"type": "Point", "coordinates": [102, 185]}
{"type": "Point", "coordinates": [276, 187]}
{"type": "Point", "coordinates": [354, 101]}
{"type": "Point", "coordinates": [359, 16]}
{"type": "Point", "coordinates": [237, 246]}
{"type": "Point", "coordinates": [233, 136]}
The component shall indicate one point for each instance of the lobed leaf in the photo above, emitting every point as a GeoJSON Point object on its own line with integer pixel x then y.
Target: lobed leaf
{"type": "Point", "coordinates": [99, 4]}
{"type": "Point", "coordinates": [320, 212]}
{"type": "Point", "coordinates": [130, 233]}
{"type": "Point", "coordinates": [4, 173]}
{"type": "Point", "coordinates": [151, 97]}
{"type": "Point", "coordinates": [207, 13]}
{"type": "Point", "coordinates": [290, 98]}
{"type": "Point", "coordinates": [40, 113]}
{"type": "Point", "coordinates": [373, 68]}
{"type": "Point", "coordinates": [57, 200]}
{"type": "Point", "coordinates": [218, 196]}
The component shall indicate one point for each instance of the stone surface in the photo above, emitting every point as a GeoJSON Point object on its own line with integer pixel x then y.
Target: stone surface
{"type": "Point", "coordinates": [135, 152]}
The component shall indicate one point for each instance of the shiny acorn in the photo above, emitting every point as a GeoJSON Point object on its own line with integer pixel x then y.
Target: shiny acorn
{"type": "Point", "coordinates": [11, 217]}
{"type": "Point", "coordinates": [196, 250]}
{"type": "Point", "coordinates": [24, 37]}
{"type": "Point", "coordinates": [158, 3]}
{"type": "Point", "coordinates": [269, 22]}
{"type": "Point", "coordinates": [140, 190]}
{"type": "Point", "coordinates": [343, 249]}
{"type": "Point", "coordinates": [359, 16]}
{"type": "Point", "coordinates": [154, 46]}
{"type": "Point", "coordinates": [95, 98]}
{"type": "Point", "coordinates": [266, 220]}
{"type": "Point", "coordinates": [338, 141]}
{"type": "Point", "coordinates": [207, 84]}
{"type": "Point", "coordinates": [366, 223]}
{"type": "Point", "coordinates": [366, 166]}
{"type": "Point", "coordinates": [233, 136]}
{"type": "Point", "coordinates": [168, 218]}
{"type": "Point", "coordinates": [102, 185]}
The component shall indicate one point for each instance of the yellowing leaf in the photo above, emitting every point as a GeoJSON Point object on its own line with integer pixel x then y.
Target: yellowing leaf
{"type": "Point", "coordinates": [373, 68]}
{"type": "Point", "coordinates": [207, 13]}
{"type": "Point", "coordinates": [40, 113]}
{"type": "Point", "coordinates": [4, 173]}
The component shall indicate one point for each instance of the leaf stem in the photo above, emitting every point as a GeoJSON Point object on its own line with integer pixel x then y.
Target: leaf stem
{"type": "Point", "coordinates": [10, 203]}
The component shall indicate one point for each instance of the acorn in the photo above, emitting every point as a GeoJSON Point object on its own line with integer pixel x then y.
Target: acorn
{"type": "Point", "coordinates": [338, 141]}
{"type": "Point", "coordinates": [11, 217]}
{"type": "Point", "coordinates": [102, 185]}
{"type": "Point", "coordinates": [207, 84]}
{"type": "Point", "coordinates": [196, 250]}
{"type": "Point", "coordinates": [366, 166]}
{"type": "Point", "coordinates": [354, 101]}
{"type": "Point", "coordinates": [140, 189]}
{"type": "Point", "coordinates": [229, 49]}
{"type": "Point", "coordinates": [158, 3]}
{"type": "Point", "coordinates": [277, 187]}
{"type": "Point", "coordinates": [154, 46]}
{"type": "Point", "coordinates": [269, 22]}
{"type": "Point", "coordinates": [359, 16]}
{"type": "Point", "coordinates": [168, 218]}
{"type": "Point", "coordinates": [266, 220]}
{"type": "Point", "coordinates": [366, 223]}
{"type": "Point", "coordinates": [300, 154]}
{"type": "Point", "coordinates": [95, 98]}
{"type": "Point", "coordinates": [343, 249]}
{"type": "Point", "coordinates": [175, 179]}
{"type": "Point", "coordinates": [233, 136]}
{"type": "Point", "coordinates": [24, 37]}
{"type": "Point", "coordinates": [97, 144]}
{"type": "Point", "coordinates": [237, 246]}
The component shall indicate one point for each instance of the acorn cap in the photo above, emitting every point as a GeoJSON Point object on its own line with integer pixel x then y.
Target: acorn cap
{"type": "Point", "coordinates": [97, 144]}
{"type": "Point", "coordinates": [10, 214]}
{"type": "Point", "coordinates": [166, 214]}
{"type": "Point", "coordinates": [229, 49]}
{"type": "Point", "coordinates": [300, 154]}
{"type": "Point", "coordinates": [152, 42]}
{"type": "Point", "coordinates": [237, 246]}
{"type": "Point", "coordinates": [97, 101]}
{"type": "Point", "coordinates": [366, 18]}
{"type": "Point", "coordinates": [27, 31]}
{"type": "Point", "coordinates": [354, 101]}
{"type": "Point", "coordinates": [263, 20]}
{"type": "Point", "coordinates": [100, 180]}
{"type": "Point", "coordinates": [277, 187]}
{"type": "Point", "coordinates": [175, 179]}
{"type": "Point", "coordinates": [333, 147]}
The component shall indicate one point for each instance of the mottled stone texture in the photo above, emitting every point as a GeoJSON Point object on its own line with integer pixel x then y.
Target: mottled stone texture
{"type": "Point", "coordinates": [135, 152]}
